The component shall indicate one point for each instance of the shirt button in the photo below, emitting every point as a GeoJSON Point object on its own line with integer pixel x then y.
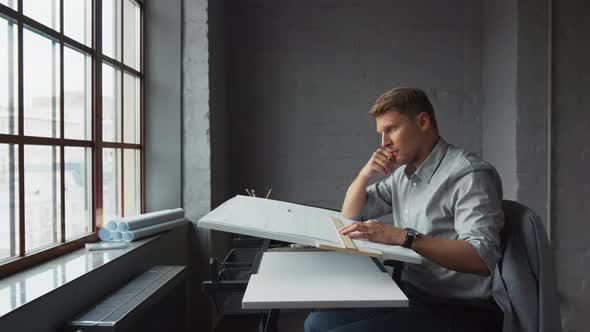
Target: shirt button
{"type": "Point", "coordinates": [414, 184]}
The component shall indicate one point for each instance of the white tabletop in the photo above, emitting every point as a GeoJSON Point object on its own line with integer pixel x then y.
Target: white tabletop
{"type": "Point", "coordinates": [320, 279]}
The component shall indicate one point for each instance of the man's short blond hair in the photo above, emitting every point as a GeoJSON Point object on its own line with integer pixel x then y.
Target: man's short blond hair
{"type": "Point", "coordinates": [409, 101]}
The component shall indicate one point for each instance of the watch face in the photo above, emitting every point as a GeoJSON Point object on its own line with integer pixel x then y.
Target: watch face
{"type": "Point", "coordinates": [410, 236]}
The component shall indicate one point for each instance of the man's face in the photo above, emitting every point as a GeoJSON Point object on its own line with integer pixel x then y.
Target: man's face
{"type": "Point", "coordinates": [401, 134]}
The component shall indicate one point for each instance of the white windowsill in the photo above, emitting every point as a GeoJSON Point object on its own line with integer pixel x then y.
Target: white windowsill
{"type": "Point", "coordinates": [25, 287]}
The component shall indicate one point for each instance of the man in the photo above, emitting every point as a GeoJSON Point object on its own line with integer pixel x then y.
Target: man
{"type": "Point", "coordinates": [446, 205]}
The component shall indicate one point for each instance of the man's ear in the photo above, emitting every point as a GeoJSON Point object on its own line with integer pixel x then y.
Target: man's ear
{"type": "Point", "coordinates": [423, 120]}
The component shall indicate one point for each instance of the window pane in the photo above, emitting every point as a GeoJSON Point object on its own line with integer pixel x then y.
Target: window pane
{"type": "Point", "coordinates": [111, 28]}
{"type": "Point", "coordinates": [111, 183]}
{"type": "Point", "coordinates": [42, 196]}
{"type": "Point", "coordinates": [132, 182]}
{"type": "Point", "coordinates": [131, 109]}
{"type": "Point", "coordinates": [131, 34]}
{"type": "Point", "coordinates": [78, 20]}
{"type": "Point", "coordinates": [78, 194]}
{"type": "Point", "coordinates": [9, 78]}
{"type": "Point", "coordinates": [41, 85]}
{"type": "Point", "coordinates": [43, 11]}
{"type": "Point", "coordinates": [9, 234]}
{"type": "Point", "coordinates": [111, 104]}
{"type": "Point", "coordinates": [10, 3]}
{"type": "Point", "coordinates": [77, 95]}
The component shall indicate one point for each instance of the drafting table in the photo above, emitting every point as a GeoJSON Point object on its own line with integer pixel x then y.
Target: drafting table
{"type": "Point", "coordinates": [320, 279]}
{"type": "Point", "coordinates": [288, 222]}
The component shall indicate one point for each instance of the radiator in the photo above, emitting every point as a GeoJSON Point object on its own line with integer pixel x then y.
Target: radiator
{"type": "Point", "coordinates": [153, 301]}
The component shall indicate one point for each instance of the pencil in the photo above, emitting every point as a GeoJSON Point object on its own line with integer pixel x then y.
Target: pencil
{"type": "Point", "coordinates": [248, 191]}
{"type": "Point", "coordinates": [268, 193]}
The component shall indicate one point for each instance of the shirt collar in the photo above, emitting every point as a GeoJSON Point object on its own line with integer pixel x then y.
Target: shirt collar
{"type": "Point", "coordinates": [426, 170]}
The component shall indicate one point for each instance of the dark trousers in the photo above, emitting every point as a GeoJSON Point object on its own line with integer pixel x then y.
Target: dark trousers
{"type": "Point", "coordinates": [423, 315]}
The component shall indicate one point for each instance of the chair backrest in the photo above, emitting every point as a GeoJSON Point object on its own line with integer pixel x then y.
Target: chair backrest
{"type": "Point", "coordinates": [527, 271]}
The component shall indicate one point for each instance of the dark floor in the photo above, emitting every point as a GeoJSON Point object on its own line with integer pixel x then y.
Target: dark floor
{"type": "Point", "coordinates": [287, 321]}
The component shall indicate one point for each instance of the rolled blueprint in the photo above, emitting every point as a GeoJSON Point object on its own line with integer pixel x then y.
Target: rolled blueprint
{"type": "Point", "coordinates": [148, 219]}
{"type": "Point", "coordinates": [117, 236]}
{"type": "Point", "coordinates": [151, 230]}
{"type": "Point", "coordinates": [112, 225]}
{"type": "Point", "coordinates": [104, 234]}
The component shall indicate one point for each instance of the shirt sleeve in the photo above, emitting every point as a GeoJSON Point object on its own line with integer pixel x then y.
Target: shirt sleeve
{"type": "Point", "coordinates": [378, 201]}
{"type": "Point", "coordinates": [479, 217]}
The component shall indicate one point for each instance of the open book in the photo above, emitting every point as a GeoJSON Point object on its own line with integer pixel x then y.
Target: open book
{"type": "Point", "coordinates": [294, 223]}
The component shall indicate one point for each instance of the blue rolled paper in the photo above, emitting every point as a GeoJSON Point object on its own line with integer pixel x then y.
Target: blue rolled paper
{"type": "Point", "coordinates": [112, 225]}
{"type": "Point", "coordinates": [117, 236]}
{"type": "Point", "coordinates": [151, 230]}
{"type": "Point", "coordinates": [148, 219]}
{"type": "Point", "coordinates": [104, 234]}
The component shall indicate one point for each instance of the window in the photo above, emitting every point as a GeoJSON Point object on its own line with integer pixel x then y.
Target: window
{"type": "Point", "coordinates": [71, 123]}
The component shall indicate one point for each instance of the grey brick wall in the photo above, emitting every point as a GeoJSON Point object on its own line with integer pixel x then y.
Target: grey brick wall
{"type": "Point", "coordinates": [571, 160]}
{"type": "Point", "coordinates": [303, 74]}
{"type": "Point", "coordinates": [196, 150]}
{"type": "Point", "coordinates": [533, 99]}
{"type": "Point", "coordinates": [499, 78]}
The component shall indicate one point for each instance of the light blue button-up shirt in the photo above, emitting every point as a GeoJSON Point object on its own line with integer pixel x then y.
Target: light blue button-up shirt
{"type": "Point", "coordinates": [454, 195]}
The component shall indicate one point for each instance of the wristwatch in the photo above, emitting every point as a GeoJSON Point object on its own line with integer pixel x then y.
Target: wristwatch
{"type": "Point", "coordinates": [411, 235]}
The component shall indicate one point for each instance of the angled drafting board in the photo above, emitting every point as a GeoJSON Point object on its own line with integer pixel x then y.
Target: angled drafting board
{"type": "Point", "coordinates": [294, 223]}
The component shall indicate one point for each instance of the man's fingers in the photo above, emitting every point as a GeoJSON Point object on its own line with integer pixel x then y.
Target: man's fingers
{"type": "Point", "coordinates": [358, 235]}
{"type": "Point", "coordinates": [345, 228]}
{"type": "Point", "coordinates": [382, 161]}
{"type": "Point", "coordinates": [388, 164]}
{"type": "Point", "coordinates": [382, 166]}
{"type": "Point", "coordinates": [381, 156]}
{"type": "Point", "coordinates": [354, 227]}
{"type": "Point", "coordinates": [387, 155]}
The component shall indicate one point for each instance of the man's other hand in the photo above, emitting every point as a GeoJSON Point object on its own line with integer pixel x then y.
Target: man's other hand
{"type": "Point", "coordinates": [382, 162]}
{"type": "Point", "coordinates": [375, 231]}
